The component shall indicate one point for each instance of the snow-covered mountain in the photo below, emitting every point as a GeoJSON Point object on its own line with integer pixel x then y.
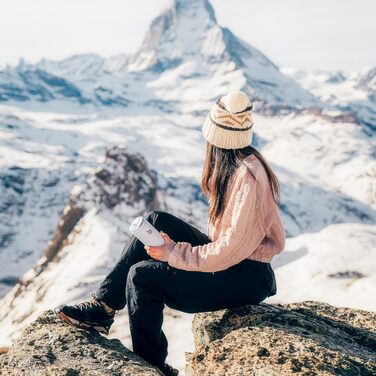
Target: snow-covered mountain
{"type": "Point", "coordinates": [353, 92]}
{"type": "Point", "coordinates": [185, 61]}
{"type": "Point", "coordinates": [190, 51]}
{"type": "Point", "coordinates": [88, 143]}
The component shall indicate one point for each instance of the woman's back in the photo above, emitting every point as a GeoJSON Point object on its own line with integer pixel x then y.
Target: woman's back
{"type": "Point", "coordinates": [265, 211]}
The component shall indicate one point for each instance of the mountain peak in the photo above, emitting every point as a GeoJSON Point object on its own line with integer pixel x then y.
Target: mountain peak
{"type": "Point", "coordinates": [184, 51]}
{"type": "Point", "coordinates": [179, 30]}
{"type": "Point", "coordinates": [192, 6]}
{"type": "Point", "coordinates": [185, 43]}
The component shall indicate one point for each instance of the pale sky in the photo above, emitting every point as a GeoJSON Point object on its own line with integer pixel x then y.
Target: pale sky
{"type": "Point", "coordinates": [306, 34]}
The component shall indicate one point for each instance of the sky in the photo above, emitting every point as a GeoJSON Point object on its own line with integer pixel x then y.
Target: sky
{"type": "Point", "coordinates": [303, 34]}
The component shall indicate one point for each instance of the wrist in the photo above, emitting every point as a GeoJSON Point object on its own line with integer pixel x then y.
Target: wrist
{"type": "Point", "coordinates": [169, 249]}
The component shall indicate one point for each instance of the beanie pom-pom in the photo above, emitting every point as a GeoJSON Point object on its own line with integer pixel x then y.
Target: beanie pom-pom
{"type": "Point", "coordinates": [236, 101]}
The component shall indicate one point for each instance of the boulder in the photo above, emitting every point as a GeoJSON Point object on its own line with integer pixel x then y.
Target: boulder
{"type": "Point", "coordinates": [51, 347]}
{"type": "Point", "coordinates": [307, 338]}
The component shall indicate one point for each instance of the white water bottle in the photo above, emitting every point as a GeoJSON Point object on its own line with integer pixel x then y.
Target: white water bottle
{"type": "Point", "coordinates": [145, 232]}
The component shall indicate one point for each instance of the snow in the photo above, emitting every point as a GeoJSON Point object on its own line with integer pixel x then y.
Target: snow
{"type": "Point", "coordinates": [353, 92]}
{"type": "Point", "coordinates": [312, 263]}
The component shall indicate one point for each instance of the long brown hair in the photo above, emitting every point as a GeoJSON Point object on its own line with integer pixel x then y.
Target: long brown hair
{"type": "Point", "coordinates": [219, 166]}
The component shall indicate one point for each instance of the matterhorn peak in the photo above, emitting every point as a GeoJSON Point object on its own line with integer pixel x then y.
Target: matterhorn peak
{"type": "Point", "coordinates": [185, 42]}
{"type": "Point", "coordinates": [182, 6]}
{"type": "Point", "coordinates": [183, 30]}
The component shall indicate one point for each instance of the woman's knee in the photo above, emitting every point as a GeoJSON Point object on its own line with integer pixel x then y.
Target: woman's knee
{"type": "Point", "coordinates": [143, 272]}
{"type": "Point", "coordinates": [158, 218]}
{"type": "Point", "coordinates": [156, 212]}
{"type": "Point", "coordinates": [142, 278]}
{"type": "Point", "coordinates": [136, 271]}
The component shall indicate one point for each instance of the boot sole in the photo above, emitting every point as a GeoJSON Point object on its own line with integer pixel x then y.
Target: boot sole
{"type": "Point", "coordinates": [82, 325]}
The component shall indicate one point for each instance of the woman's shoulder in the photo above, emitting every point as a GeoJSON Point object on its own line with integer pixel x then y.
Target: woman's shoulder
{"type": "Point", "coordinates": [250, 163]}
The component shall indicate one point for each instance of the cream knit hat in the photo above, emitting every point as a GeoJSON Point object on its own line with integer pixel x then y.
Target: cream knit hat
{"type": "Point", "coordinates": [228, 124]}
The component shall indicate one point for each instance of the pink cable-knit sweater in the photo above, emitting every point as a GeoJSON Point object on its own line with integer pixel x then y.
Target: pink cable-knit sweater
{"type": "Point", "coordinates": [251, 226]}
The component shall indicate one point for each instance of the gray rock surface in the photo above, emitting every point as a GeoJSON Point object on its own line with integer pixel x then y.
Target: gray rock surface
{"type": "Point", "coordinates": [307, 338]}
{"type": "Point", "coordinates": [51, 347]}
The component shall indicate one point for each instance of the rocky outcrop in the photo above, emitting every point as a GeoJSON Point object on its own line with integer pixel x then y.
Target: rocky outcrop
{"type": "Point", "coordinates": [122, 187]}
{"type": "Point", "coordinates": [307, 338]}
{"type": "Point", "coordinates": [51, 347]}
{"type": "Point", "coordinates": [122, 180]}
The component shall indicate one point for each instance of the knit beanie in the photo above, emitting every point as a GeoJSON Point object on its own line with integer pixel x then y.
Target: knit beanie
{"type": "Point", "coordinates": [228, 124]}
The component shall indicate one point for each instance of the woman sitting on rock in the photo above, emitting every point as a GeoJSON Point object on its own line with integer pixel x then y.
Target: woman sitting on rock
{"type": "Point", "coordinates": [194, 272]}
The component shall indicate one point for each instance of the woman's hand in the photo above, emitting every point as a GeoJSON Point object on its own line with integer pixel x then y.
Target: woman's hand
{"type": "Point", "coordinates": [161, 252]}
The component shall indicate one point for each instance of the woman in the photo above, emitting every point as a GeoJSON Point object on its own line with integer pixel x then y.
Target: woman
{"type": "Point", "coordinates": [193, 272]}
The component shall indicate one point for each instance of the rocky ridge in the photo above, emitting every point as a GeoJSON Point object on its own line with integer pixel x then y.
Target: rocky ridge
{"type": "Point", "coordinates": [50, 347]}
{"type": "Point", "coordinates": [306, 338]}
{"type": "Point", "coordinates": [121, 186]}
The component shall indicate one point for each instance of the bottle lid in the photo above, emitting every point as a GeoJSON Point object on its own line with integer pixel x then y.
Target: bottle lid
{"type": "Point", "coordinates": [136, 224]}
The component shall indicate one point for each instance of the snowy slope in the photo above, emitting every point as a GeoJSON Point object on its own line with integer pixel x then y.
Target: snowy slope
{"type": "Point", "coordinates": [353, 92]}
{"type": "Point", "coordinates": [43, 155]}
{"type": "Point", "coordinates": [336, 262]}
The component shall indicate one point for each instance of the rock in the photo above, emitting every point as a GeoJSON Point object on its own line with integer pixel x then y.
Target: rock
{"type": "Point", "coordinates": [123, 178]}
{"type": "Point", "coordinates": [306, 338]}
{"type": "Point", "coordinates": [121, 183]}
{"type": "Point", "coordinates": [51, 347]}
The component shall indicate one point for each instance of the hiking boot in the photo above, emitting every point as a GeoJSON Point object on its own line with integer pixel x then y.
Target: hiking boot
{"type": "Point", "coordinates": [90, 315]}
{"type": "Point", "coordinates": [168, 370]}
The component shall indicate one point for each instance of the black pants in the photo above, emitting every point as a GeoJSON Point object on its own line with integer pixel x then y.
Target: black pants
{"type": "Point", "coordinates": [146, 285]}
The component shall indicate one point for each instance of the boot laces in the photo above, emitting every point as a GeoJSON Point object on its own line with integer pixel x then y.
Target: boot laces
{"type": "Point", "coordinates": [89, 304]}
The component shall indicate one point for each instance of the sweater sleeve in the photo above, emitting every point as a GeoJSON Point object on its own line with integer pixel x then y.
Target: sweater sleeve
{"type": "Point", "coordinates": [241, 238]}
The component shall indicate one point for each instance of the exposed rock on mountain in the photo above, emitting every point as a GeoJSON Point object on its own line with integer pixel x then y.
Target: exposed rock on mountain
{"type": "Point", "coordinates": [51, 347]}
{"type": "Point", "coordinates": [123, 179]}
{"type": "Point", "coordinates": [307, 338]}
{"type": "Point", "coordinates": [121, 188]}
